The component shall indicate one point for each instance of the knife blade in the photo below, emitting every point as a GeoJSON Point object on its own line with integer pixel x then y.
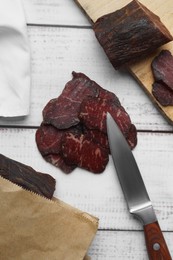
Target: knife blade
{"type": "Point", "coordinates": [136, 195]}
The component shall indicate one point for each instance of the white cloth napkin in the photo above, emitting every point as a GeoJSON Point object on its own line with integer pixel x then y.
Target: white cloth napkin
{"type": "Point", "coordinates": [14, 60]}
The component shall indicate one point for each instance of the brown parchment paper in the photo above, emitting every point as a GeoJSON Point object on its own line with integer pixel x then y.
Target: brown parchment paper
{"type": "Point", "coordinates": [32, 227]}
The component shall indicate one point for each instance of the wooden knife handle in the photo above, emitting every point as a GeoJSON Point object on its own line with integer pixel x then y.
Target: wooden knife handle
{"type": "Point", "coordinates": [155, 242]}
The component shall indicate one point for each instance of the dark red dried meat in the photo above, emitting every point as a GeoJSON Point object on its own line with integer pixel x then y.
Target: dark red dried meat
{"type": "Point", "coordinates": [105, 94]}
{"type": "Point", "coordinates": [78, 137]}
{"type": "Point", "coordinates": [93, 115]}
{"type": "Point", "coordinates": [58, 161]}
{"type": "Point", "coordinates": [85, 153]}
{"type": "Point", "coordinates": [98, 137]}
{"type": "Point", "coordinates": [26, 177]}
{"type": "Point", "coordinates": [131, 137]}
{"type": "Point", "coordinates": [48, 139]}
{"type": "Point", "coordinates": [49, 142]}
{"type": "Point", "coordinates": [162, 68]}
{"type": "Point", "coordinates": [163, 94]}
{"type": "Point", "coordinates": [130, 33]}
{"type": "Point", "coordinates": [63, 111]}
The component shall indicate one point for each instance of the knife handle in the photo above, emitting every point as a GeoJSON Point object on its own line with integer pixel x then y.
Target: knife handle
{"type": "Point", "coordinates": [155, 242]}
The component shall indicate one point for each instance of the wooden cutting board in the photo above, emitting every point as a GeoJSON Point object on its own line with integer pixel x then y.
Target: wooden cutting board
{"type": "Point", "coordinates": [141, 70]}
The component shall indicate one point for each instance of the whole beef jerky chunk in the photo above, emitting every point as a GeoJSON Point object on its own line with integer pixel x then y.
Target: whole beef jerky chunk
{"type": "Point", "coordinates": [26, 177]}
{"type": "Point", "coordinates": [163, 94]}
{"type": "Point", "coordinates": [162, 68]}
{"type": "Point", "coordinates": [63, 111]}
{"type": "Point", "coordinates": [130, 33]}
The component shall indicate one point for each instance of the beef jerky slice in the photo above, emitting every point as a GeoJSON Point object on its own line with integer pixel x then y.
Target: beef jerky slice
{"type": "Point", "coordinates": [58, 161]}
{"type": "Point", "coordinates": [48, 139]}
{"type": "Point", "coordinates": [130, 33]}
{"type": "Point", "coordinates": [26, 177]}
{"type": "Point", "coordinates": [49, 143]}
{"type": "Point", "coordinates": [78, 137]}
{"type": "Point", "coordinates": [131, 137]}
{"type": "Point", "coordinates": [105, 94]}
{"type": "Point", "coordinates": [98, 137]}
{"type": "Point", "coordinates": [162, 68]}
{"type": "Point", "coordinates": [163, 94]}
{"type": "Point", "coordinates": [93, 115]}
{"type": "Point", "coordinates": [85, 153]}
{"type": "Point", "coordinates": [62, 112]}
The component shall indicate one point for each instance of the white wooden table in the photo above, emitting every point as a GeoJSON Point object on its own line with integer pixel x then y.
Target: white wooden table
{"type": "Point", "coordinates": [61, 41]}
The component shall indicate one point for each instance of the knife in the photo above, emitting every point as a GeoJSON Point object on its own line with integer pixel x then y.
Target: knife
{"type": "Point", "coordinates": [135, 193]}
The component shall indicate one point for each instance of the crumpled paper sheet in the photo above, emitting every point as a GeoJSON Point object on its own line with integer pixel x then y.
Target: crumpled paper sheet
{"type": "Point", "coordinates": [15, 71]}
{"type": "Point", "coordinates": [33, 227]}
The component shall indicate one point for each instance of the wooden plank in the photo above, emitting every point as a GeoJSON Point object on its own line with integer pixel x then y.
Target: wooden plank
{"type": "Point", "coordinates": [54, 57]}
{"type": "Point", "coordinates": [95, 9]}
{"type": "Point", "coordinates": [122, 245]}
{"type": "Point", "coordinates": [101, 195]}
{"type": "Point", "coordinates": [141, 70]}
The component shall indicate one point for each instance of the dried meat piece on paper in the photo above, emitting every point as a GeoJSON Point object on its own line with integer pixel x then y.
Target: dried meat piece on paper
{"type": "Point", "coordinates": [131, 33]}
{"type": "Point", "coordinates": [26, 177]}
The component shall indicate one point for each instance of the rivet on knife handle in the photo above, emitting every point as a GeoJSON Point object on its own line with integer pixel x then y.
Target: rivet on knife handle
{"type": "Point", "coordinates": [155, 242]}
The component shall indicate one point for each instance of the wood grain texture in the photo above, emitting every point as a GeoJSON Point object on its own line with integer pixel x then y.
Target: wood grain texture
{"type": "Point", "coordinates": [155, 241]}
{"type": "Point", "coordinates": [121, 245]}
{"type": "Point", "coordinates": [140, 70]}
